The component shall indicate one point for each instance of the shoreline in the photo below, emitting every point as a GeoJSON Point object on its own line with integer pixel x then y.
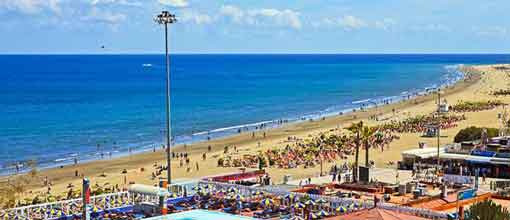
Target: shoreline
{"type": "Point", "coordinates": [232, 131]}
{"type": "Point", "coordinates": [61, 177]}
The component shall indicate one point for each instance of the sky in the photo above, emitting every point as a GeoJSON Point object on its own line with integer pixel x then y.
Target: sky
{"type": "Point", "coordinates": [256, 26]}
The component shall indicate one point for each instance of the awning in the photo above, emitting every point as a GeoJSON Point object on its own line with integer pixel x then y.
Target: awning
{"type": "Point", "coordinates": [503, 161]}
{"type": "Point", "coordinates": [478, 159]}
{"type": "Point", "coordinates": [423, 153]}
{"type": "Point", "coordinates": [148, 190]}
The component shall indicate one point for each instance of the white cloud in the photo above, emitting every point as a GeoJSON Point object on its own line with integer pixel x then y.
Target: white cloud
{"type": "Point", "coordinates": [492, 31]}
{"type": "Point", "coordinates": [196, 18]}
{"type": "Point", "coordinates": [262, 17]}
{"type": "Point", "coordinates": [107, 17]}
{"type": "Point", "coordinates": [31, 6]}
{"type": "Point", "coordinates": [385, 24]}
{"type": "Point", "coordinates": [175, 3]}
{"type": "Point", "coordinates": [351, 22]}
{"type": "Point", "coordinates": [233, 12]}
{"type": "Point", "coordinates": [118, 2]}
{"type": "Point", "coordinates": [431, 28]}
{"type": "Point", "coordinates": [347, 22]}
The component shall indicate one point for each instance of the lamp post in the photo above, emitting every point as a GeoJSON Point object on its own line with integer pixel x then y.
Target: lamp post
{"type": "Point", "coordinates": [166, 18]}
{"type": "Point", "coordinates": [438, 126]}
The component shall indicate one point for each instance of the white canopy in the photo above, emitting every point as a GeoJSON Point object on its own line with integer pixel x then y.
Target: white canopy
{"type": "Point", "coordinates": [148, 190]}
{"type": "Point", "coordinates": [423, 153]}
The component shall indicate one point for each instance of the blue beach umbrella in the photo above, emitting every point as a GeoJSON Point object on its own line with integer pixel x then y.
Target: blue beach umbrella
{"type": "Point", "coordinates": [290, 196]}
{"type": "Point", "coordinates": [239, 197]}
{"type": "Point", "coordinates": [341, 209]}
{"type": "Point", "coordinates": [322, 213]}
{"type": "Point", "coordinates": [266, 202]}
{"type": "Point", "coordinates": [321, 201]}
{"type": "Point", "coordinates": [310, 202]}
{"type": "Point", "coordinates": [299, 205]}
{"type": "Point", "coordinates": [232, 190]}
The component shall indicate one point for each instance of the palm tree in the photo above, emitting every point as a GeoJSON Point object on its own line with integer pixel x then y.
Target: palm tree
{"type": "Point", "coordinates": [487, 210]}
{"type": "Point", "coordinates": [356, 128]}
{"type": "Point", "coordinates": [366, 134]}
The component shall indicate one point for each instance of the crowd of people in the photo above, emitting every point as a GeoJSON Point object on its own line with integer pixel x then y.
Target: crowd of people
{"type": "Point", "coordinates": [468, 106]}
{"type": "Point", "coordinates": [421, 123]}
{"type": "Point", "coordinates": [501, 92]}
{"type": "Point", "coordinates": [307, 153]}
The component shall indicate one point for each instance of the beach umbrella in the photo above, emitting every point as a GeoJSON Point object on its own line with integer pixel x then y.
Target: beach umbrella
{"type": "Point", "coordinates": [239, 197]}
{"type": "Point", "coordinates": [290, 196]}
{"type": "Point", "coordinates": [296, 217]}
{"type": "Point", "coordinates": [266, 202]}
{"type": "Point", "coordinates": [322, 213]}
{"type": "Point", "coordinates": [321, 201]}
{"type": "Point", "coordinates": [310, 202]}
{"type": "Point", "coordinates": [95, 209]}
{"type": "Point", "coordinates": [299, 205]}
{"type": "Point", "coordinates": [232, 190]}
{"type": "Point", "coordinates": [341, 209]}
{"type": "Point", "coordinates": [352, 206]}
{"type": "Point", "coordinates": [258, 193]}
{"type": "Point", "coordinates": [313, 216]}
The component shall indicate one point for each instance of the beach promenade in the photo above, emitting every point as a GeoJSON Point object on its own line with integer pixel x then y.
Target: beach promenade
{"type": "Point", "coordinates": [141, 168]}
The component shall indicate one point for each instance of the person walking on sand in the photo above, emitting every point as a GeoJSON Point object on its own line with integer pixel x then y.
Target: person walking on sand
{"type": "Point", "coordinates": [198, 168]}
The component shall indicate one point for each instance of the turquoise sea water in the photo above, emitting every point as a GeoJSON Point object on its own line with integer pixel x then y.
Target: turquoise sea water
{"type": "Point", "coordinates": [54, 108]}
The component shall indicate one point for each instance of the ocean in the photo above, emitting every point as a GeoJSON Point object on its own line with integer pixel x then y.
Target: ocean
{"type": "Point", "coordinates": [54, 108]}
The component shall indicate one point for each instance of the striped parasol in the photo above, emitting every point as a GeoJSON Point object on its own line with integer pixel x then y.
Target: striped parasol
{"type": "Point", "coordinates": [322, 213]}
{"type": "Point", "coordinates": [310, 202]}
{"type": "Point", "coordinates": [321, 201]}
{"type": "Point", "coordinates": [299, 205]}
{"type": "Point", "coordinates": [290, 196]}
{"type": "Point", "coordinates": [258, 193]}
{"type": "Point", "coordinates": [232, 190]}
{"type": "Point", "coordinates": [341, 209]}
{"type": "Point", "coordinates": [296, 217]}
{"type": "Point", "coordinates": [239, 197]}
{"type": "Point", "coordinates": [266, 202]}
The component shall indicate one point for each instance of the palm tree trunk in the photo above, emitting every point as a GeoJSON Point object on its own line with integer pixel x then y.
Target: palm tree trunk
{"type": "Point", "coordinates": [366, 153]}
{"type": "Point", "coordinates": [355, 170]}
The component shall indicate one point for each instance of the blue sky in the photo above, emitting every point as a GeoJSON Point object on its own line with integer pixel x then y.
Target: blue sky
{"type": "Point", "coordinates": [256, 26]}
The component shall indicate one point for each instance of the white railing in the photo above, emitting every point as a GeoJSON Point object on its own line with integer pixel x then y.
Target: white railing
{"type": "Point", "coordinates": [54, 210]}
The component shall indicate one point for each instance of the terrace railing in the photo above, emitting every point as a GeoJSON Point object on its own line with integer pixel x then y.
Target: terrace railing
{"type": "Point", "coordinates": [55, 210]}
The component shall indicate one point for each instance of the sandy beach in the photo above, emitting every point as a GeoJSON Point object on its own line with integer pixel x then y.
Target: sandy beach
{"type": "Point", "coordinates": [476, 88]}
